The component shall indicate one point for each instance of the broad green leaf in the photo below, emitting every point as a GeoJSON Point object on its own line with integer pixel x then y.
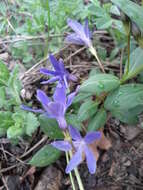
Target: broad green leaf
{"type": "Point", "coordinates": [136, 63]}
{"type": "Point", "coordinates": [14, 132]}
{"type": "Point", "coordinates": [81, 96]}
{"type": "Point", "coordinates": [125, 116]}
{"type": "Point", "coordinates": [6, 119]}
{"type": "Point", "coordinates": [98, 120]}
{"type": "Point", "coordinates": [100, 83]}
{"type": "Point", "coordinates": [126, 97]}
{"type": "Point", "coordinates": [72, 119]}
{"type": "Point", "coordinates": [87, 110]}
{"type": "Point", "coordinates": [46, 156]}
{"type": "Point", "coordinates": [94, 71]}
{"type": "Point", "coordinates": [132, 10]}
{"type": "Point", "coordinates": [50, 127]}
{"type": "Point", "coordinates": [31, 123]}
{"type": "Point", "coordinates": [14, 85]}
{"type": "Point", "coordinates": [2, 97]}
{"type": "Point", "coordinates": [104, 22]}
{"type": "Point", "coordinates": [4, 73]}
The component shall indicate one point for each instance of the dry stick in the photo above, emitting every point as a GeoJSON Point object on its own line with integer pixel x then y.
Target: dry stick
{"type": "Point", "coordinates": [8, 168]}
{"type": "Point", "coordinates": [5, 184]}
{"type": "Point", "coordinates": [2, 149]}
{"type": "Point", "coordinates": [16, 38]}
{"type": "Point", "coordinates": [2, 187]}
{"type": "Point", "coordinates": [73, 54]}
{"type": "Point", "coordinates": [10, 154]}
{"type": "Point", "coordinates": [34, 147]}
{"type": "Point", "coordinates": [11, 26]}
{"type": "Point", "coordinates": [23, 38]}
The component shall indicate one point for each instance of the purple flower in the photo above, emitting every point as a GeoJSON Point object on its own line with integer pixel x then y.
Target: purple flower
{"type": "Point", "coordinates": [59, 73]}
{"type": "Point", "coordinates": [82, 34]}
{"type": "Point", "coordinates": [81, 146]}
{"type": "Point", "coordinates": [55, 108]}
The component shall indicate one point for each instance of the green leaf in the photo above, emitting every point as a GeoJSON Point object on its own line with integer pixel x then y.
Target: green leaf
{"type": "Point", "coordinates": [26, 121]}
{"type": "Point", "coordinates": [50, 127]}
{"type": "Point", "coordinates": [100, 83]}
{"type": "Point", "coordinates": [98, 120]}
{"type": "Point", "coordinates": [14, 85]}
{"type": "Point", "coordinates": [6, 119]}
{"type": "Point", "coordinates": [31, 123]}
{"type": "Point", "coordinates": [46, 156]}
{"type": "Point", "coordinates": [81, 96]}
{"type": "Point", "coordinates": [126, 97]}
{"type": "Point", "coordinates": [126, 103]}
{"type": "Point", "coordinates": [14, 132]}
{"type": "Point", "coordinates": [125, 116]}
{"type": "Point", "coordinates": [104, 22]}
{"type": "Point", "coordinates": [136, 63]}
{"type": "Point", "coordinates": [4, 73]}
{"type": "Point", "coordinates": [2, 97]}
{"type": "Point", "coordinates": [94, 71]}
{"type": "Point", "coordinates": [132, 10]}
{"type": "Point", "coordinates": [72, 119]}
{"type": "Point", "coordinates": [87, 110]}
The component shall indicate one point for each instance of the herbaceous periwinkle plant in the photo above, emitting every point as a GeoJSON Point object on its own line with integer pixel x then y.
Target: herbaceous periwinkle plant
{"type": "Point", "coordinates": [110, 95]}
{"type": "Point", "coordinates": [56, 108]}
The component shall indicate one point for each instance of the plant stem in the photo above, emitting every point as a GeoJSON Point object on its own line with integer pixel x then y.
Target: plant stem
{"type": "Point", "coordinates": [94, 52]}
{"type": "Point", "coordinates": [128, 63]}
{"type": "Point", "coordinates": [125, 76]}
{"type": "Point", "coordinates": [70, 174]}
{"type": "Point", "coordinates": [49, 26]}
{"type": "Point", "coordinates": [77, 175]}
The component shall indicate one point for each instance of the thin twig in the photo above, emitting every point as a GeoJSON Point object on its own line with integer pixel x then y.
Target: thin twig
{"type": "Point", "coordinates": [10, 154]}
{"type": "Point", "coordinates": [5, 184]}
{"type": "Point", "coordinates": [2, 187]}
{"type": "Point", "coordinates": [34, 147]}
{"type": "Point", "coordinates": [10, 25]}
{"type": "Point", "coordinates": [8, 168]}
{"type": "Point", "coordinates": [73, 54]}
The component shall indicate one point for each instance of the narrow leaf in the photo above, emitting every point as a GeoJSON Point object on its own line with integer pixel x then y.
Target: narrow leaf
{"type": "Point", "coordinates": [136, 63]}
{"type": "Point", "coordinates": [87, 110]}
{"type": "Point", "coordinates": [98, 120]}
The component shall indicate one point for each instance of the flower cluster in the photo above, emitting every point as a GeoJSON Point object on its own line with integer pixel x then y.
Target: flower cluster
{"type": "Point", "coordinates": [57, 106]}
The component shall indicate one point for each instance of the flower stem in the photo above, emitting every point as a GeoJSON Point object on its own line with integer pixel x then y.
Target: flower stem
{"type": "Point", "coordinates": [70, 174]}
{"type": "Point", "coordinates": [94, 52]}
{"type": "Point", "coordinates": [77, 175]}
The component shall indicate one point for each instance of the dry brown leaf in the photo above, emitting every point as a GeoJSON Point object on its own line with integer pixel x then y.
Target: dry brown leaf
{"type": "Point", "coordinates": [102, 143]}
